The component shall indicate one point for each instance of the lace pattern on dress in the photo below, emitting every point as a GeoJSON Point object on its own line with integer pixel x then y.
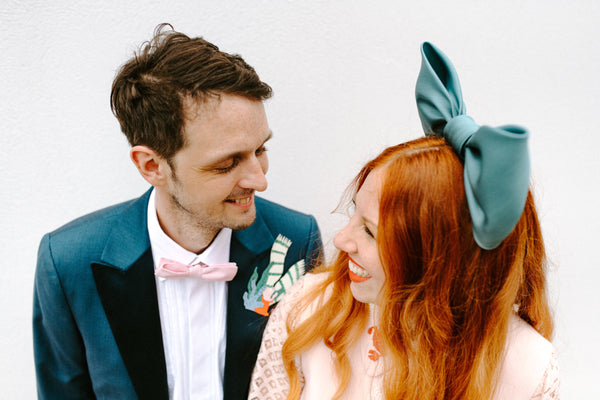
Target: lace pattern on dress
{"type": "Point", "coordinates": [269, 379]}
{"type": "Point", "coordinates": [549, 387]}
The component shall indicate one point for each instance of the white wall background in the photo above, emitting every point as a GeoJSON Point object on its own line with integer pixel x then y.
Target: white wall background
{"type": "Point", "coordinates": [343, 74]}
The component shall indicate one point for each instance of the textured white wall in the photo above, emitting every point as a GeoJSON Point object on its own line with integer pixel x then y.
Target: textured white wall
{"type": "Point", "coordinates": [343, 74]}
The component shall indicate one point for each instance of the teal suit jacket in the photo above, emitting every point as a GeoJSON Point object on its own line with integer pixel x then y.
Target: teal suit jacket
{"type": "Point", "coordinates": [96, 324]}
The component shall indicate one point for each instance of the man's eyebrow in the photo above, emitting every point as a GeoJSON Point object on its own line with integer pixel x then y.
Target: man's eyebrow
{"type": "Point", "coordinates": [269, 136]}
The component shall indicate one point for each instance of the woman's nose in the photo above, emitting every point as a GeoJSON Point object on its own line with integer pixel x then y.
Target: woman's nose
{"type": "Point", "coordinates": [343, 240]}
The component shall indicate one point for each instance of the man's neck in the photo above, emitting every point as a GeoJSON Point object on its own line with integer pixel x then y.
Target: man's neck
{"type": "Point", "coordinates": [191, 237]}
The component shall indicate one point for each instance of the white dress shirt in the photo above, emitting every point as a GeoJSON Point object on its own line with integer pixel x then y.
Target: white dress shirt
{"type": "Point", "coordinates": [192, 316]}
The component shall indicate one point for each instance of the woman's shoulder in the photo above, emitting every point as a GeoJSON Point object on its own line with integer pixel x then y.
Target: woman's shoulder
{"type": "Point", "coordinates": [549, 387]}
{"type": "Point", "coordinates": [312, 279]}
{"type": "Point", "coordinates": [302, 294]}
{"type": "Point", "coordinates": [527, 358]}
{"type": "Point", "coordinates": [304, 285]}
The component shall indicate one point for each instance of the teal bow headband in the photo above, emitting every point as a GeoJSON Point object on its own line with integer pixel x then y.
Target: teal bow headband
{"type": "Point", "coordinates": [496, 160]}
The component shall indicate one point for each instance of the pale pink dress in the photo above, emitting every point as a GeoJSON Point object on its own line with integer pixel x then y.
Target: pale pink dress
{"type": "Point", "coordinates": [530, 370]}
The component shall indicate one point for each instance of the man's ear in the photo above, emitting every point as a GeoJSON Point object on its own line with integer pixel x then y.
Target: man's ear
{"type": "Point", "coordinates": [151, 166]}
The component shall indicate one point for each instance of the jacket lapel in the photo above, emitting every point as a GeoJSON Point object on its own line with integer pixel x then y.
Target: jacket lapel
{"type": "Point", "coordinates": [250, 248]}
{"type": "Point", "coordinates": [127, 289]}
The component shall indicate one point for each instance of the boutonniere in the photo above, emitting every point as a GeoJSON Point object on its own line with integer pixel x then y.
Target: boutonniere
{"type": "Point", "coordinates": [273, 283]}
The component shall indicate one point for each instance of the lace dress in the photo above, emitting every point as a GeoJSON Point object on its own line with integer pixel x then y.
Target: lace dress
{"type": "Point", "coordinates": [549, 387]}
{"type": "Point", "coordinates": [317, 373]}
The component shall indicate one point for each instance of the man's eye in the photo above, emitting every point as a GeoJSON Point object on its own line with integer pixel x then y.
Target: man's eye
{"type": "Point", "coordinates": [230, 167]}
{"type": "Point", "coordinates": [261, 150]}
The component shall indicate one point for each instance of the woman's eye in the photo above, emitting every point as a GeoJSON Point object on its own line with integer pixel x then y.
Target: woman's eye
{"type": "Point", "coordinates": [368, 231]}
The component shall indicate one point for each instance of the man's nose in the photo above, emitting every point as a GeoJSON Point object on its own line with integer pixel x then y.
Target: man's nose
{"type": "Point", "coordinates": [254, 175]}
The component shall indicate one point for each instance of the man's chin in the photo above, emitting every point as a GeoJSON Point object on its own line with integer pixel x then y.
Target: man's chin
{"type": "Point", "coordinates": [243, 222]}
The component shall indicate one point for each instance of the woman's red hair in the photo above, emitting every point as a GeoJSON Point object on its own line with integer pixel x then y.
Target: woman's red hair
{"type": "Point", "coordinates": [446, 302]}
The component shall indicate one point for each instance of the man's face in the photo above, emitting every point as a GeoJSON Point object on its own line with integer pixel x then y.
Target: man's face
{"type": "Point", "coordinates": [214, 176]}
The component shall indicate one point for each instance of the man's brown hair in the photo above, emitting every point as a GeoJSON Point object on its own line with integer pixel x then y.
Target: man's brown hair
{"type": "Point", "coordinates": [149, 92]}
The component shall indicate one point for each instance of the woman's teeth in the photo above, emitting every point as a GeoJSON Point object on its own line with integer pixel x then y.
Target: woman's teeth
{"type": "Point", "coordinates": [358, 270]}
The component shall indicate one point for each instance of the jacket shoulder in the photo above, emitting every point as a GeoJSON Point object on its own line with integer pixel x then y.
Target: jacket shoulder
{"type": "Point", "coordinates": [276, 214]}
{"type": "Point", "coordinates": [90, 230]}
{"type": "Point", "coordinates": [302, 229]}
{"type": "Point", "coordinates": [97, 217]}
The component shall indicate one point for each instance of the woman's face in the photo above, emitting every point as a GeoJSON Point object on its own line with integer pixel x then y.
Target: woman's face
{"type": "Point", "coordinates": [359, 240]}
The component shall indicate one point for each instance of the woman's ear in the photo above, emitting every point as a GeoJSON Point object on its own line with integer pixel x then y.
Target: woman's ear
{"type": "Point", "coordinates": [151, 166]}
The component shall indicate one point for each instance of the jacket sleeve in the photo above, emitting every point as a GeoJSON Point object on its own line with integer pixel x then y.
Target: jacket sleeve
{"type": "Point", "coordinates": [60, 361]}
{"type": "Point", "coordinates": [314, 251]}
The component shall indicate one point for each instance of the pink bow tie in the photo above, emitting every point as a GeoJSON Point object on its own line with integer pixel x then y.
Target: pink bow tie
{"type": "Point", "coordinates": [173, 269]}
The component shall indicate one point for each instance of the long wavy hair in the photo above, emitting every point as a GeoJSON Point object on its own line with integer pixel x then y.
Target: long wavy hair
{"type": "Point", "coordinates": [446, 302]}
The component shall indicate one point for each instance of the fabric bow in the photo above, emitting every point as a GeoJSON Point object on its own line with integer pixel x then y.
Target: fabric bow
{"type": "Point", "coordinates": [218, 272]}
{"type": "Point", "coordinates": [496, 160]}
